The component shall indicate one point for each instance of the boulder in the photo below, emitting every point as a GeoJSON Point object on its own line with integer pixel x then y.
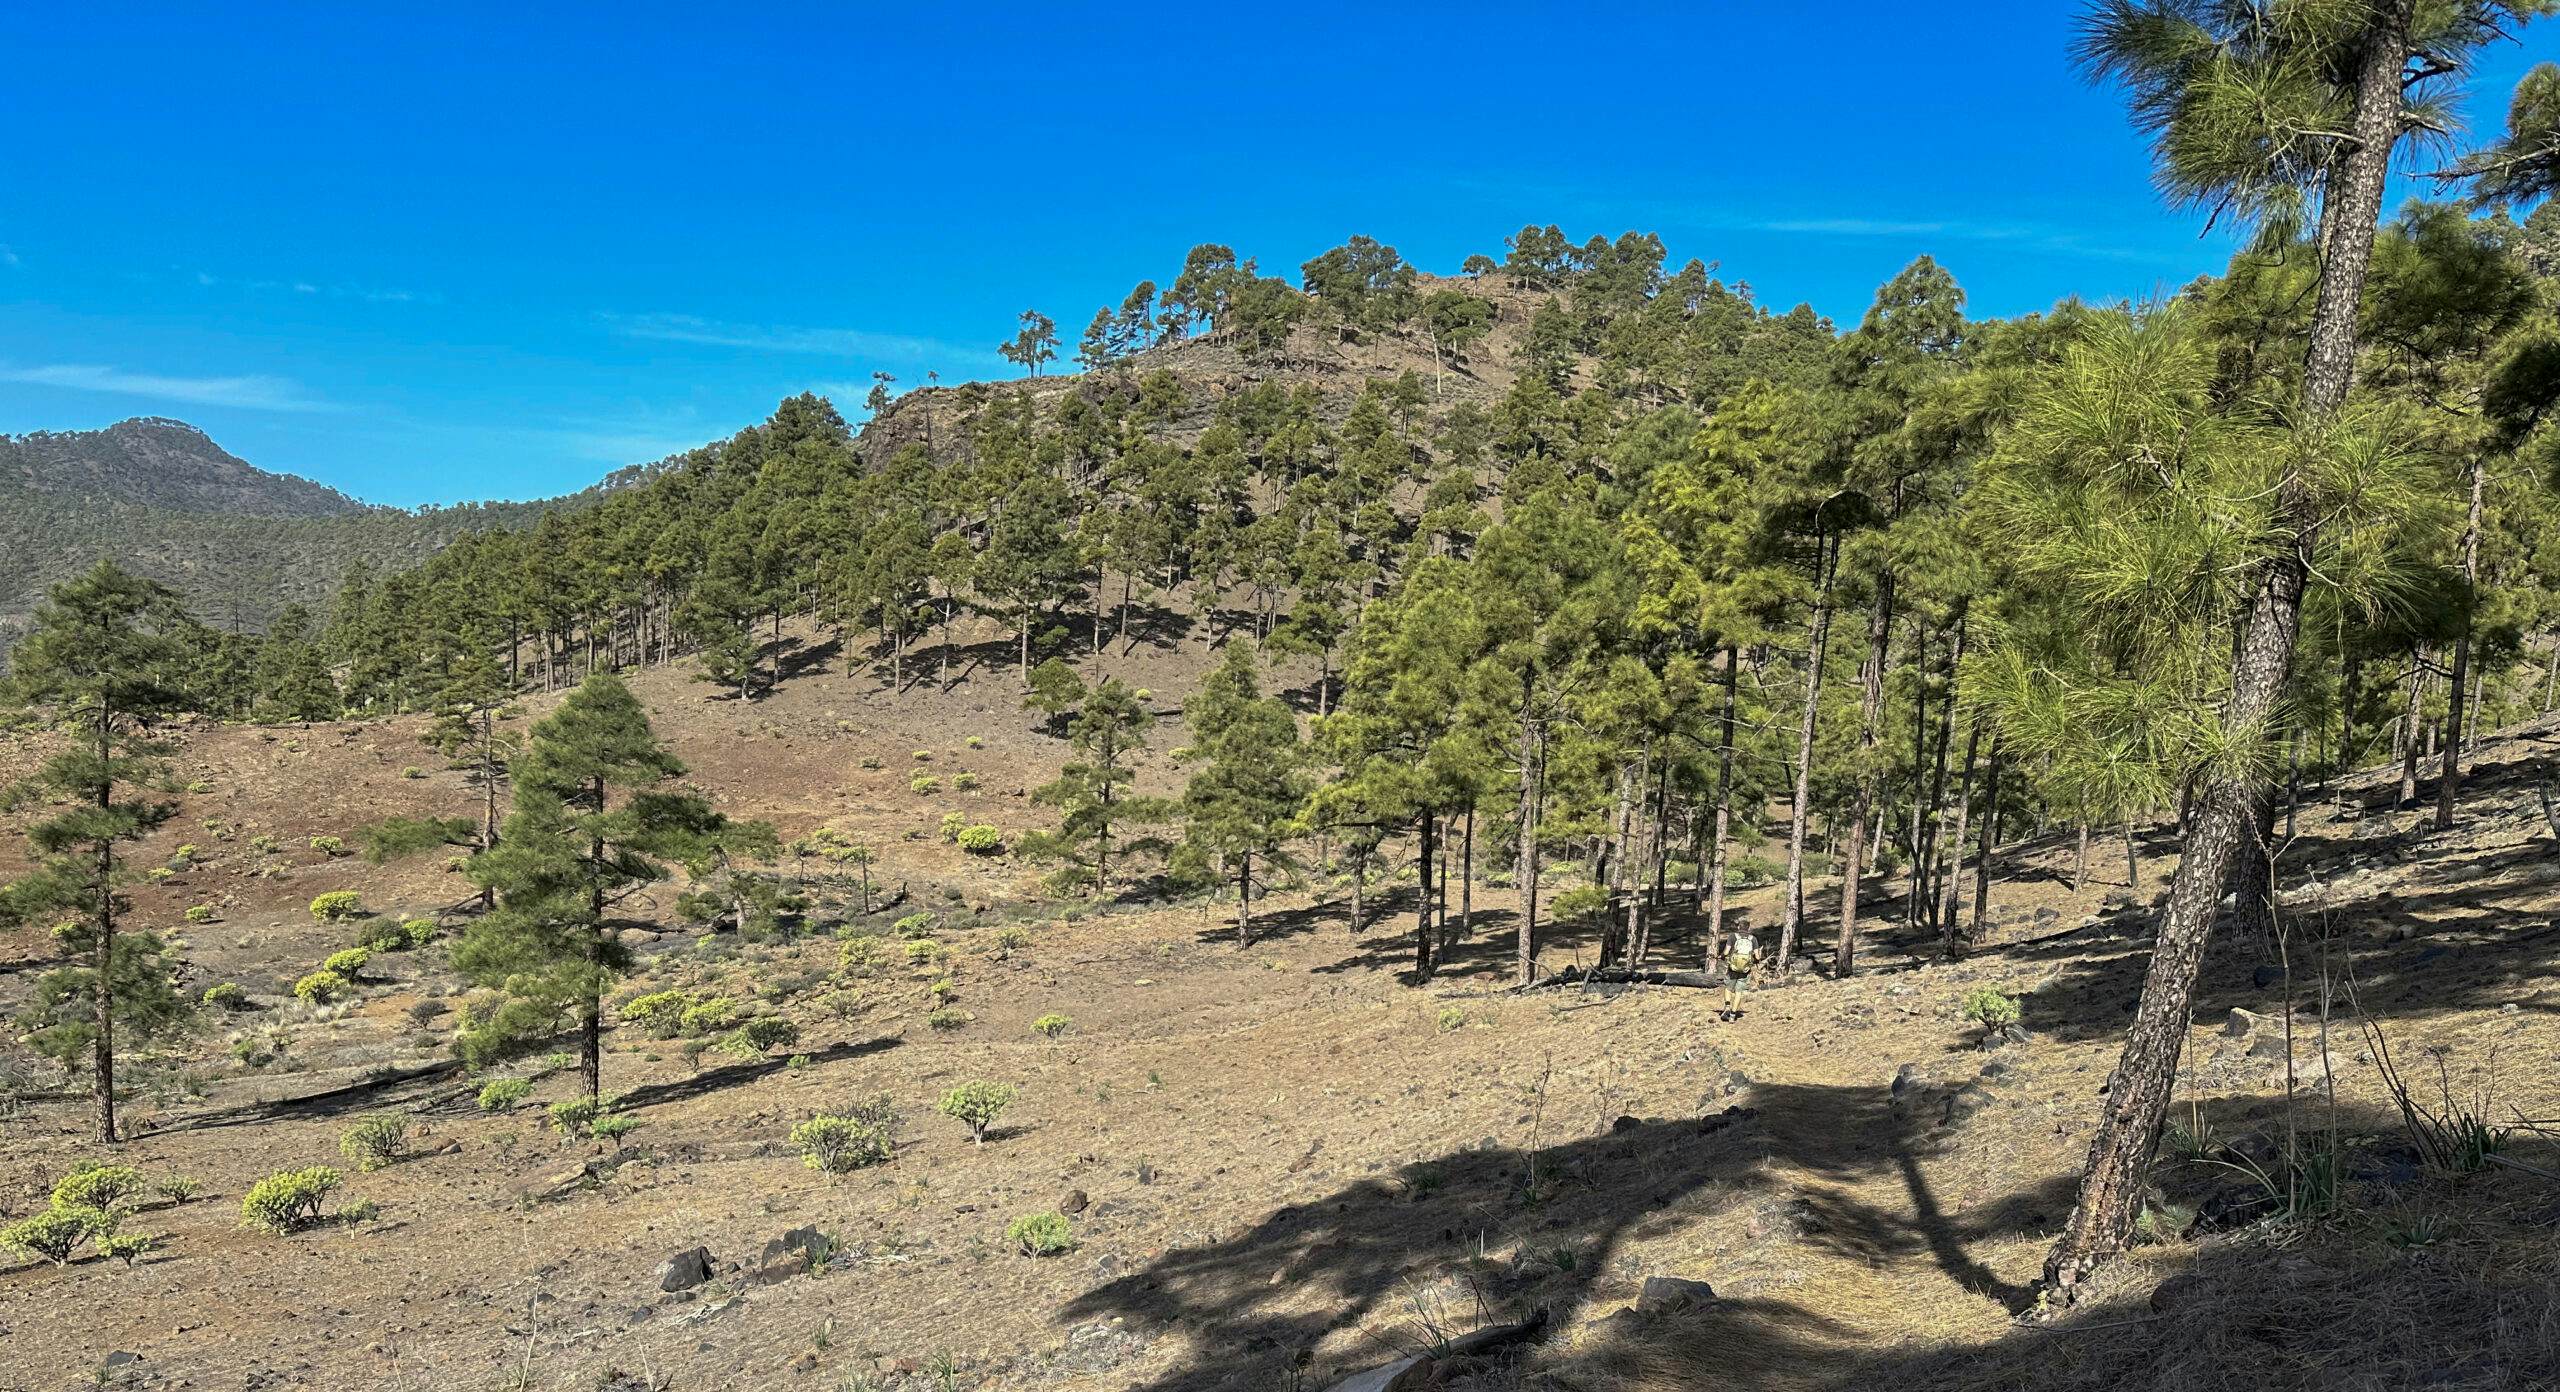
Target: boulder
{"type": "Point", "coordinates": [1663, 1294]}
{"type": "Point", "coordinates": [685, 1270]}
{"type": "Point", "coordinates": [1074, 1202]}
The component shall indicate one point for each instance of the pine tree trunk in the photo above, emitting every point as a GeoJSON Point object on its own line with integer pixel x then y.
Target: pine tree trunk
{"type": "Point", "coordinates": [1990, 839]}
{"type": "Point", "coordinates": [1244, 900]}
{"type": "Point", "coordinates": [1714, 872]}
{"type": "Point", "coordinates": [1422, 904]}
{"type": "Point", "coordinates": [2449, 779]}
{"type": "Point", "coordinates": [1947, 882]}
{"type": "Point", "coordinates": [1819, 639]}
{"type": "Point", "coordinates": [1924, 866]}
{"type": "Point", "coordinates": [1527, 874]}
{"type": "Point", "coordinates": [1467, 878]}
{"type": "Point", "coordinates": [1870, 714]}
{"type": "Point", "coordinates": [2411, 747]}
{"type": "Point", "coordinates": [2115, 1179]}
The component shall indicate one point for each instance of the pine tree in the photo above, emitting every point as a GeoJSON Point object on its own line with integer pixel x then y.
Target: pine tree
{"type": "Point", "coordinates": [100, 659]}
{"type": "Point", "coordinates": [590, 827]}
{"type": "Point", "coordinates": [1092, 792]}
{"type": "Point", "coordinates": [1242, 801]}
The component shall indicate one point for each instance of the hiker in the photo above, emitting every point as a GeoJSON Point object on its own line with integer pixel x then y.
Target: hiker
{"type": "Point", "coordinates": [1740, 956]}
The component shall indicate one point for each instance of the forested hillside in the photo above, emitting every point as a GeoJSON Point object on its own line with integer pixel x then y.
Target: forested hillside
{"type": "Point", "coordinates": [2051, 813]}
{"type": "Point", "coordinates": [163, 498]}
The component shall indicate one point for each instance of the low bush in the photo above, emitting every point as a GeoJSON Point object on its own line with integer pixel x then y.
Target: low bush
{"type": "Point", "coordinates": [976, 1105]}
{"type": "Point", "coordinates": [349, 963]}
{"type": "Point", "coordinates": [709, 1016]}
{"type": "Point", "coordinates": [660, 1013]}
{"type": "Point", "coordinates": [329, 846]}
{"type": "Point", "coordinates": [760, 1035]}
{"type": "Point", "coordinates": [914, 925]}
{"type": "Point", "coordinates": [97, 1186]}
{"type": "Point", "coordinates": [924, 783]}
{"type": "Point", "coordinates": [834, 1144]}
{"type": "Point", "coordinates": [55, 1234]}
{"type": "Point", "coordinates": [289, 1200]}
{"type": "Point", "coordinates": [613, 1128]}
{"type": "Point", "coordinates": [950, 1017]}
{"type": "Point", "coordinates": [952, 824]}
{"type": "Point", "coordinates": [502, 1094]}
{"type": "Point", "coordinates": [225, 995]}
{"type": "Point", "coordinates": [374, 1141]}
{"type": "Point", "coordinates": [177, 1188]}
{"type": "Point", "coordinates": [1052, 1026]}
{"type": "Point", "coordinates": [1041, 1234]}
{"type": "Point", "coordinates": [322, 987]}
{"type": "Point", "coordinates": [964, 781]}
{"type": "Point", "coordinates": [981, 840]}
{"type": "Point", "coordinates": [200, 913]}
{"type": "Point", "coordinates": [337, 906]}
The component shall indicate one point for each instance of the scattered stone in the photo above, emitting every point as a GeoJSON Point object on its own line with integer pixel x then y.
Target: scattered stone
{"type": "Point", "coordinates": [2242, 1023]}
{"type": "Point", "coordinates": [1074, 1202]}
{"type": "Point", "coordinates": [1398, 1376]}
{"type": "Point", "coordinates": [1663, 1294]}
{"type": "Point", "coordinates": [685, 1270]}
{"type": "Point", "coordinates": [1904, 1077]}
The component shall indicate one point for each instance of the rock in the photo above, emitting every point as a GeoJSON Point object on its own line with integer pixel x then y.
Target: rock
{"type": "Point", "coordinates": [1395, 1377]}
{"type": "Point", "coordinates": [1967, 1100]}
{"type": "Point", "coordinates": [1625, 1124]}
{"type": "Point", "coordinates": [119, 1358]}
{"type": "Point", "coordinates": [2242, 1023]}
{"type": "Point", "coordinates": [795, 1253]}
{"type": "Point", "coordinates": [1663, 1294]}
{"type": "Point", "coordinates": [685, 1270]}
{"type": "Point", "coordinates": [1074, 1202]}
{"type": "Point", "coordinates": [1903, 1078]}
{"type": "Point", "coordinates": [1106, 1266]}
{"type": "Point", "coordinates": [2266, 977]}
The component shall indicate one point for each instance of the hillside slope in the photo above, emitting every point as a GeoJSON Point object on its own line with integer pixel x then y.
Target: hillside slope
{"type": "Point", "coordinates": [1288, 1163]}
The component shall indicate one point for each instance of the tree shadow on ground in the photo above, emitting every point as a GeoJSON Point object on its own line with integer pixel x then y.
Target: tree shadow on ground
{"type": "Point", "coordinates": [1492, 1233]}
{"type": "Point", "coordinates": [729, 1075]}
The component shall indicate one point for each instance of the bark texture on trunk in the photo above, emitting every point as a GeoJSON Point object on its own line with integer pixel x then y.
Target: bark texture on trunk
{"type": "Point", "coordinates": [1797, 810]}
{"type": "Point", "coordinates": [1870, 714]}
{"type": "Point", "coordinates": [2449, 780]}
{"type": "Point", "coordinates": [2137, 1100]}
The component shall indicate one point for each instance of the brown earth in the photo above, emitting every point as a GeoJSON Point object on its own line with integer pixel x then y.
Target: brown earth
{"type": "Point", "coordinates": [1296, 1161]}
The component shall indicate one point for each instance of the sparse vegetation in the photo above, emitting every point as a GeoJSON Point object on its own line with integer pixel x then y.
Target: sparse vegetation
{"type": "Point", "coordinates": [976, 1105]}
{"type": "Point", "coordinates": [289, 1201]}
{"type": "Point", "coordinates": [337, 906]}
{"type": "Point", "coordinates": [375, 1141]}
{"type": "Point", "coordinates": [1041, 1234]}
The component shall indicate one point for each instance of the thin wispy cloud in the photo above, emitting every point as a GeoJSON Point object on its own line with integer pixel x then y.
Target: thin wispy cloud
{"type": "Point", "coordinates": [864, 344]}
{"type": "Point", "coordinates": [248, 393]}
{"type": "Point", "coordinates": [9, 256]}
{"type": "Point", "coordinates": [364, 294]}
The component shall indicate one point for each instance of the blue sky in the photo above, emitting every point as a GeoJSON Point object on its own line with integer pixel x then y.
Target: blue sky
{"type": "Point", "coordinates": [498, 253]}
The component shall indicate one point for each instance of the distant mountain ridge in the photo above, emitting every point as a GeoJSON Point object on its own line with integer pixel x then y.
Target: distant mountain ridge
{"type": "Point", "coordinates": [156, 462]}
{"type": "Point", "coordinates": [158, 496]}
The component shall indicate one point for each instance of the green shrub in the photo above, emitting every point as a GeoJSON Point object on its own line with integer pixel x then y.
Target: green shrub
{"type": "Point", "coordinates": [964, 781]}
{"type": "Point", "coordinates": [577, 1116]}
{"type": "Point", "coordinates": [924, 951]}
{"type": "Point", "coordinates": [924, 756]}
{"type": "Point", "coordinates": [337, 906]}
{"type": "Point", "coordinates": [55, 1234]}
{"type": "Point", "coordinates": [177, 1188]}
{"type": "Point", "coordinates": [952, 822]}
{"type": "Point", "coordinates": [322, 987]}
{"type": "Point", "coordinates": [157, 873]}
{"type": "Point", "coordinates": [976, 1105]}
{"type": "Point", "coordinates": [759, 1035]}
{"type": "Point", "coordinates": [924, 783]}
{"type": "Point", "coordinates": [225, 995]}
{"type": "Point", "coordinates": [200, 786]}
{"type": "Point", "coordinates": [660, 1013]}
{"type": "Point", "coordinates": [831, 1144]}
{"type": "Point", "coordinates": [413, 771]}
{"type": "Point", "coordinates": [374, 1141]}
{"type": "Point", "coordinates": [502, 1094]}
{"type": "Point", "coordinates": [1052, 1026]}
{"type": "Point", "coordinates": [862, 955]}
{"type": "Point", "coordinates": [1452, 1018]}
{"type": "Point", "coordinates": [914, 925]}
{"type": "Point", "coordinates": [950, 1017]}
{"type": "Point", "coordinates": [1041, 1234]}
{"type": "Point", "coordinates": [419, 931]}
{"type": "Point", "coordinates": [974, 742]}
{"type": "Point", "coordinates": [200, 913]}
{"type": "Point", "coordinates": [981, 840]}
{"type": "Point", "coordinates": [329, 846]}
{"type": "Point", "coordinates": [1993, 1009]}
{"type": "Point", "coordinates": [1011, 938]}
{"type": "Point", "coordinates": [184, 857]}
{"type": "Point", "coordinates": [97, 1186]}
{"type": "Point", "coordinates": [288, 1200]}
{"type": "Point", "coordinates": [349, 963]}
{"type": "Point", "coordinates": [710, 1016]}
{"type": "Point", "coordinates": [613, 1128]}
{"type": "Point", "coordinates": [128, 1248]}
{"type": "Point", "coordinates": [263, 844]}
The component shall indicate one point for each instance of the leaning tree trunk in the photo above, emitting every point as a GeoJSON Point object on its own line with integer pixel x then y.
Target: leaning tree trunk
{"type": "Point", "coordinates": [2137, 1098]}
{"type": "Point", "coordinates": [1815, 643]}
{"type": "Point", "coordinates": [2449, 781]}
{"type": "Point", "coordinates": [1870, 713]}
